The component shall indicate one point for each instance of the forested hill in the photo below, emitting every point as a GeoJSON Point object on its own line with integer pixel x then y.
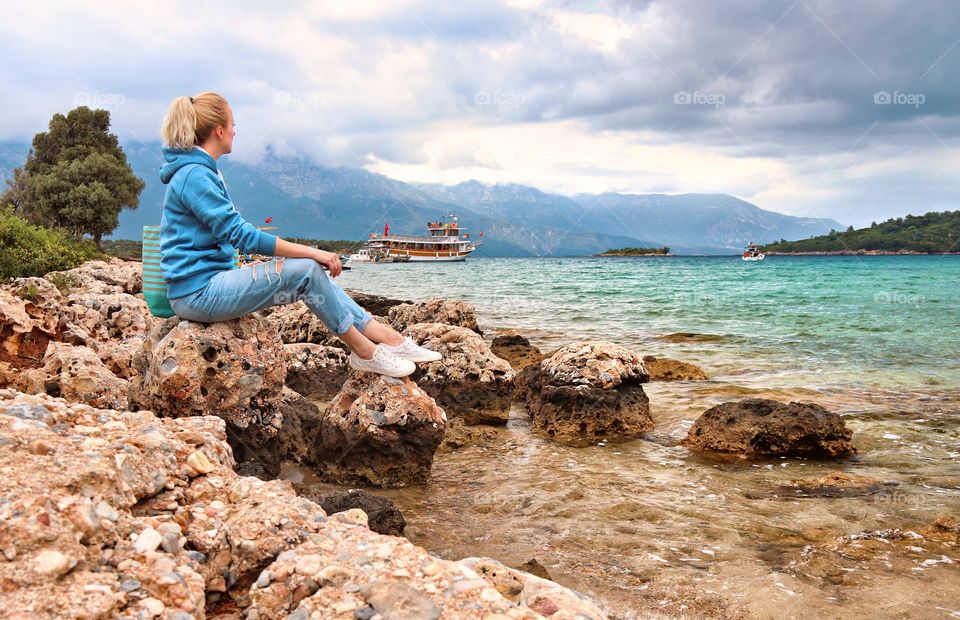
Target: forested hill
{"type": "Point", "coordinates": [935, 233]}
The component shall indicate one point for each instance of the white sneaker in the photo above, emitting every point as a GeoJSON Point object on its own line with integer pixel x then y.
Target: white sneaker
{"type": "Point", "coordinates": [383, 362]}
{"type": "Point", "coordinates": [410, 350]}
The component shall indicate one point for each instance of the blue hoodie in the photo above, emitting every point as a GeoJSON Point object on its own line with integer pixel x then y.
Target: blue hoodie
{"type": "Point", "coordinates": [200, 227]}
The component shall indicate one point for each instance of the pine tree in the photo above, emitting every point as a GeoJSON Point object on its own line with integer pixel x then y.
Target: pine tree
{"type": "Point", "coordinates": [78, 177]}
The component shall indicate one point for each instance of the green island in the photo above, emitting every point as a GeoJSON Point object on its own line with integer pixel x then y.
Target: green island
{"type": "Point", "coordinates": [664, 251]}
{"type": "Point", "coordinates": [931, 233]}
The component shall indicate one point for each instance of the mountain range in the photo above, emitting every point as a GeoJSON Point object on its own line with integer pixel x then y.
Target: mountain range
{"type": "Point", "coordinates": [308, 200]}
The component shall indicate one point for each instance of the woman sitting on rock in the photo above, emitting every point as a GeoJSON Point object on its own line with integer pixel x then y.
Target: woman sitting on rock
{"type": "Point", "coordinates": [200, 228]}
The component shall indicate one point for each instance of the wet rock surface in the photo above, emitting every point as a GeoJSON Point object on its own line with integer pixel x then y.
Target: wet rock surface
{"type": "Point", "coordinates": [470, 382]}
{"type": "Point", "coordinates": [437, 310]}
{"type": "Point", "coordinates": [120, 514]}
{"type": "Point", "coordinates": [665, 369]}
{"type": "Point", "coordinates": [380, 431]}
{"type": "Point", "coordinates": [459, 434]}
{"type": "Point", "coordinates": [760, 427]}
{"type": "Point", "coordinates": [837, 484]}
{"type": "Point", "coordinates": [382, 516]}
{"type": "Point", "coordinates": [517, 350]}
{"type": "Point", "coordinates": [588, 391]}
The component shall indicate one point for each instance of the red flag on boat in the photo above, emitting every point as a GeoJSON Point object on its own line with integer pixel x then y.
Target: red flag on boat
{"type": "Point", "coordinates": [268, 220]}
{"type": "Point", "coordinates": [386, 229]}
{"type": "Point", "coordinates": [481, 234]}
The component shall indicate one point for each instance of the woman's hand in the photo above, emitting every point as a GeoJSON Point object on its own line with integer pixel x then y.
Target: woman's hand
{"type": "Point", "coordinates": [330, 260]}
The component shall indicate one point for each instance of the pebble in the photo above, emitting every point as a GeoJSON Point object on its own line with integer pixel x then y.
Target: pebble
{"type": "Point", "coordinates": [53, 563]}
{"type": "Point", "coordinates": [10, 552]}
{"type": "Point", "coordinates": [153, 605]}
{"type": "Point", "coordinates": [431, 569]}
{"type": "Point", "coordinates": [265, 578]}
{"type": "Point", "coordinates": [309, 564]}
{"type": "Point", "coordinates": [148, 540]}
{"type": "Point", "coordinates": [199, 463]}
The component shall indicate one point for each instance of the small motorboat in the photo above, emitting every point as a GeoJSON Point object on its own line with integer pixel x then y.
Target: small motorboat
{"type": "Point", "coordinates": [752, 253]}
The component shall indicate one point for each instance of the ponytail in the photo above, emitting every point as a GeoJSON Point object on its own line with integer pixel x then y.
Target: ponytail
{"type": "Point", "coordinates": [191, 120]}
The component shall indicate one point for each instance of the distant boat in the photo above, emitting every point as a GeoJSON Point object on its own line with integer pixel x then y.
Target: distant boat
{"type": "Point", "coordinates": [444, 244]}
{"type": "Point", "coordinates": [753, 253]}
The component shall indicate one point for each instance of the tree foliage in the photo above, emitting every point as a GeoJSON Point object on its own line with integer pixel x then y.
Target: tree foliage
{"type": "Point", "coordinates": [78, 177]}
{"type": "Point", "coordinates": [934, 232]}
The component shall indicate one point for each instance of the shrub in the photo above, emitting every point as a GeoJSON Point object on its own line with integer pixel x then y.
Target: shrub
{"type": "Point", "coordinates": [28, 250]}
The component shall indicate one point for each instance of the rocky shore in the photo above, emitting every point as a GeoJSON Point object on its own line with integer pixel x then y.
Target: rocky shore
{"type": "Point", "coordinates": [142, 457]}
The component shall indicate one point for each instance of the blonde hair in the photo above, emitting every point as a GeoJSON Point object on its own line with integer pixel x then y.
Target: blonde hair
{"type": "Point", "coordinates": [191, 120]}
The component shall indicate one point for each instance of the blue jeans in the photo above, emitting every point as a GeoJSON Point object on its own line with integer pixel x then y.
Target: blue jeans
{"type": "Point", "coordinates": [236, 292]}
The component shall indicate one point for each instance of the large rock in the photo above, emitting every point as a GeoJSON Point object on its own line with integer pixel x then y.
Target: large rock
{"type": "Point", "coordinates": [25, 331]}
{"type": "Point", "coordinates": [448, 311]}
{"type": "Point", "coordinates": [295, 322]}
{"type": "Point", "coordinates": [119, 514]}
{"type": "Point", "coordinates": [298, 440]}
{"type": "Point", "coordinates": [109, 316]}
{"type": "Point", "coordinates": [588, 391]}
{"type": "Point", "coordinates": [470, 381]}
{"type": "Point", "coordinates": [232, 369]}
{"type": "Point", "coordinates": [317, 371]}
{"type": "Point", "coordinates": [100, 277]}
{"type": "Point", "coordinates": [665, 369]}
{"type": "Point", "coordinates": [76, 374]}
{"type": "Point", "coordinates": [759, 427]}
{"type": "Point", "coordinates": [517, 350]}
{"type": "Point", "coordinates": [381, 431]}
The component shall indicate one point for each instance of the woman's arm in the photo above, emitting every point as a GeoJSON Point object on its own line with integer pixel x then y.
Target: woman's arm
{"type": "Point", "coordinates": [330, 260]}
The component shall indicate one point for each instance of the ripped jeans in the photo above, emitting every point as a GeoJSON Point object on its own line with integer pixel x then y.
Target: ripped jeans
{"type": "Point", "coordinates": [235, 292]}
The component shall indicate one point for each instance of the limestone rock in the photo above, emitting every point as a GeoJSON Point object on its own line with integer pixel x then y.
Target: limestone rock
{"type": "Point", "coordinates": [459, 435]}
{"type": "Point", "coordinates": [295, 322]}
{"type": "Point", "coordinates": [135, 524]}
{"type": "Point", "coordinates": [316, 371]}
{"type": "Point", "coordinates": [470, 381]}
{"type": "Point", "coordinates": [588, 391]}
{"type": "Point", "coordinates": [23, 338]}
{"type": "Point", "coordinates": [517, 350]}
{"type": "Point", "coordinates": [76, 374]}
{"type": "Point", "coordinates": [437, 310]}
{"type": "Point", "coordinates": [665, 369]}
{"type": "Point", "coordinates": [838, 484]}
{"type": "Point", "coordinates": [759, 427]}
{"type": "Point", "coordinates": [381, 431]}
{"type": "Point", "coordinates": [41, 301]}
{"type": "Point", "coordinates": [232, 369]}
{"type": "Point", "coordinates": [100, 277]}
{"type": "Point", "coordinates": [115, 316]}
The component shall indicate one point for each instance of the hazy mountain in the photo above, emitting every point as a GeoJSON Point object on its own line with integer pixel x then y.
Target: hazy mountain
{"type": "Point", "coordinates": [308, 200]}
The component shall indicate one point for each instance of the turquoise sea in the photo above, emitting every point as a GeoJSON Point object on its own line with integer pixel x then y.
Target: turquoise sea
{"type": "Point", "coordinates": [882, 321]}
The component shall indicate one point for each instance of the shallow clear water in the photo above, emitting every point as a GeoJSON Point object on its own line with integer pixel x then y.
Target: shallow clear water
{"type": "Point", "coordinates": [646, 525]}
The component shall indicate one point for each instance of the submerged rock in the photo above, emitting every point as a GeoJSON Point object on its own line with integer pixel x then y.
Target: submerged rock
{"type": "Point", "coordinates": [588, 391]}
{"type": "Point", "coordinates": [437, 310]}
{"type": "Point", "coordinates": [838, 484]}
{"type": "Point", "coordinates": [380, 431]}
{"type": "Point", "coordinates": [459, 435]}
{"type": "Point", "coordinates": [759, 427]}
{"type": "Point", "coordinates": [470, 382]}
{"type": "Point", "coordinates": [517, 350]}
{"type": "Point", "coordinates": [665, 369]}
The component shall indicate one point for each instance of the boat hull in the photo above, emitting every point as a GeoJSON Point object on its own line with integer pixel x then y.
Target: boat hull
{"type": "Point", "coordinates": [753, 258]}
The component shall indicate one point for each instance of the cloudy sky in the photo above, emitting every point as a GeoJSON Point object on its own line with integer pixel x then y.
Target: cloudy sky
{"type": "Point", "coordinates": [848, 109]}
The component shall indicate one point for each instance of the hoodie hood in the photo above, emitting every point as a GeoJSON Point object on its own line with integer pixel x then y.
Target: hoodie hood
{"type": "Point", "coordinates": [174, 159]}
